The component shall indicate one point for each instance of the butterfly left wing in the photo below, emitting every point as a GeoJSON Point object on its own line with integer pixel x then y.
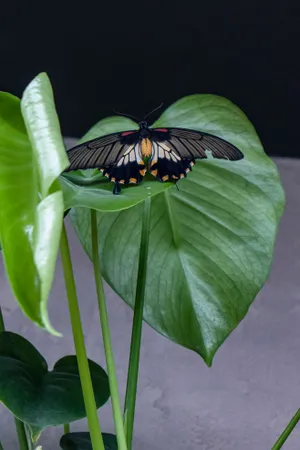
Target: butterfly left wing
{"type": "Point", "coordinates": [175, 151]}
{"type": "Point", "coordinates": [117, 155]}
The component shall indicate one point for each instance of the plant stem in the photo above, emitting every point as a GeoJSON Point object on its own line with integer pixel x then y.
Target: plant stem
{"type": "Point", "coordinates": [134, 358]}
{"type": "Point", "coordinates": [111, 370]}
{"type": "Point", "coordinates": [23, 443]}
{"type": "Point", "coordinates": [2, 326]}
{"type": "Point", "coordinates": [66, 428]}
{"type": "Point", "coordinates": [83, 366]}
{"type": "Point", "coordinates": [285, 434]}
{"type": "Point", "coordinates": [1, 446]}
{"type": "Point", "coordinates": [22, 436]}
{"type": "Point", "coordinates": [28, 436]}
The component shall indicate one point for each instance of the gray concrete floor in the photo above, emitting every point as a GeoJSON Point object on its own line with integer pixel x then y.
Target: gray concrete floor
{"type": "Point", "coordinates": [242, 403]}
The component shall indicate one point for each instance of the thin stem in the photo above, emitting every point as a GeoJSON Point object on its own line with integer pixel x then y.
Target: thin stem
{"type": "Point", "coordinates": [111, 370]}
{"type": "Point", "coordinates": [83, 366]}
{"type": "Point", "coordinates": [19, 425]}
{"type": "Point", "coordinates": [66, 428]}
{"type": "Point", "coordinates": [24, 441]}
{"type": "Point", "coordinates": [287, 431]}
{"type": "Point", "coordinates": [134, 358]}
{"type": "Point", "coordinates": [28, 436]}
{"type": "Point", "coordinates": [2, 326]}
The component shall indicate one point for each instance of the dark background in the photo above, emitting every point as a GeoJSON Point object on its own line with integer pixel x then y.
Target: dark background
{"type": "Point", "coordinates": [132, 55]}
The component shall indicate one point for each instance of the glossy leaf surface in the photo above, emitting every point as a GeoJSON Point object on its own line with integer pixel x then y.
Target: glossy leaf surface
{"type": "Point", "coordinates": [211, 241]}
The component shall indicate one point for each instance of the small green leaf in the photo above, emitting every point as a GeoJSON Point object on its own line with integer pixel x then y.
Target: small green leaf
{"type": "Point", "coordinates": [39, 397]}
{"type": "Point", "coordinates": [31, 200]}
{"type": "Point", "coordinates": [211, 241]}
{"type": "Point", "coordinates": [82, 441]}
{"type": "Point", "coordinates": [91, 190]}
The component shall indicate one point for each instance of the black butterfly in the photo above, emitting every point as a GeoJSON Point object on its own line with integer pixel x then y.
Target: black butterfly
{"type": "Point", "coordinates": [171, 153]}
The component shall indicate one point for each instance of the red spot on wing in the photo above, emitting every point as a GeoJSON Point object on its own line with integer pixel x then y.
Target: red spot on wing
{"type": "Point", "coordinates": [126, 133]}
{"type": "Point", "coordinates": [164, 130]}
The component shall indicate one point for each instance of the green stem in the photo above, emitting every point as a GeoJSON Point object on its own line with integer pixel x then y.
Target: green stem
{"type": "Point", "coordinates": [134, 358]}
{"type": "Point", "coordinates": [19, 425]}
{"type": "Point", "coordinates": [1, 446]}
{"type": "Point", "coordinates": [83, 366]}
{"type": "Point", "coordinates": [24, 440]}
{"type": "Point", "coordinates": [28, 436]}
{"type": "Point", "coordinates": [285, 434]}
{"type": "Point", "coordinates": [66, 428]}
{"type": "Point", "coordinates": [111, 370]}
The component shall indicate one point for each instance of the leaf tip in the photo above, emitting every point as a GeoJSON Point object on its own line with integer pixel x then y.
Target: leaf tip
{"type": "Point", "coordinates": [42, 77]}
{"type": "Point", "coordinates": [207, 356]}
{"type": "Point", "coordinates": [48, 327]}
{"type": "Point", "coordinates": [209, 361]}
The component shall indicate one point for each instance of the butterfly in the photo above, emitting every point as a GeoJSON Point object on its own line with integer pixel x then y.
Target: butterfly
{"type": "Point", "coordinates": [167, 153]}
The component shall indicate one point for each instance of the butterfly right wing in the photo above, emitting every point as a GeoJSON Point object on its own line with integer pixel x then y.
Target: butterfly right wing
{"type": "Point", "coordinates": [116, 155]}
{"type": "Point", "coordinates": [176, 149]}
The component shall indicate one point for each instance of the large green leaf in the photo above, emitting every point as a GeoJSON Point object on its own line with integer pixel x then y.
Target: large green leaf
{"type": "Point", "coordinates": [211, 241]}
{"type": "Point", "coordinates": [90, 189]}
{"type": "Point", "coordinates": [39, 397]}
{"type": "Point", "coordinates": [18, 202]}
{"type": "Point", "coordinates": [31, 201]}
{"type": "Point", "coordinates": [81, 441]}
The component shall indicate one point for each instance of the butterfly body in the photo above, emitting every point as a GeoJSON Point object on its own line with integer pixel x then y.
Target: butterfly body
{"type": "Point", "coordinates": [167, 153]}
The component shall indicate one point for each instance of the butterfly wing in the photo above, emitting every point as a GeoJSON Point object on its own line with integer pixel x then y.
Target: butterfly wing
{"type": "Point", "coordinates": [166, 163]}
{"type": "Point", "coordinates": [175, 151]}
{"type": "Point", "coordinates": [117, 155]}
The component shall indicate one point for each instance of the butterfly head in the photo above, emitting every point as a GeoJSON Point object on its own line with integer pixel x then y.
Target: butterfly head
{"type": "Point", "coordinates": [143, 124]}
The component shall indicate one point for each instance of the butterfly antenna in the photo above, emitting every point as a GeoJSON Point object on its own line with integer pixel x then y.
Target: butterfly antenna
{"type": "Point", "coordinates": [155, 109]}
{"type": "Point", "coordinates": [129, 116]}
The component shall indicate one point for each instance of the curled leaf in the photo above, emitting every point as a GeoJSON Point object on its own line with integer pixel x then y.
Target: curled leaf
{"type": "Point", "coordinates": [32, 156]}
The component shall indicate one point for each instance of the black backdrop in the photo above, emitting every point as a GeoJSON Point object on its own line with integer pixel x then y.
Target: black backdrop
{"type": "Point", "coordinates": [131, 55]}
